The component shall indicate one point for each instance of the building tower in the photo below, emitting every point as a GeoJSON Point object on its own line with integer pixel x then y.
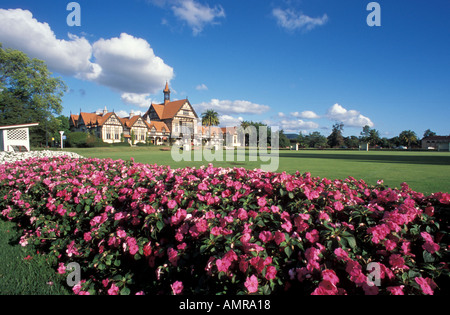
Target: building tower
{"type": "Point", "coordinates": [166, 94]}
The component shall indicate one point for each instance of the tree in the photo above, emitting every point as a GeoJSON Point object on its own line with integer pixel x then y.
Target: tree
{"type": "Point", "coordinates": [408, 137]}
{"type": "Point", "coordinates": [284, 140]}
{"type": "Point", "coordinates": [335, 139]}
{"type": "Point", "coordinates": [316, 140]}
{"type": "Point", "coordinates": [254, 132]}
{"type": "Point", "coordinates": [29, 94]}
{"type": "Point", "coordinates": [351, 142]}
{"type": "Point", "coordinates": [370, 136]}
{"type": "Point", "coordinates": [429, 133]}
{"type": "Point", "coordinates": [210, 118]}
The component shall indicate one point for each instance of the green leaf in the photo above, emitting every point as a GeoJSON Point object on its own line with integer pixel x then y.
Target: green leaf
{"type": "Point", "coordinates": [427, 257]}
{"type": "Point", "coordinates": [125, 291]}
{"type": "Point", "coordinates": [351, 241]}
{"type": "Point", "coordinates": [159, 225]}
{"type": "Point", "coordinates": [288, 251]}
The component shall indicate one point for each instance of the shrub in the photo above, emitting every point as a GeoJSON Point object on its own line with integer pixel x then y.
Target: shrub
{"type": "Point", "coordinates": [136, 228]}
{"type": "Point", "coordinates": [76, 140]}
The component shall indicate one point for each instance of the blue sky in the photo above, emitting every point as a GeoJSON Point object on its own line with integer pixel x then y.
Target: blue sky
{"type": "Point", "coordinates": [301, 65]}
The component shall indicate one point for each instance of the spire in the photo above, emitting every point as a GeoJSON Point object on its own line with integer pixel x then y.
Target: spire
{"type": "Point", "coordinates": [166, 94]}
{"type": "Point", "coordinates": [167, 90]}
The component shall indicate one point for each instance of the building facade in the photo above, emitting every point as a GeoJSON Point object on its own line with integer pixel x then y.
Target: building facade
{"type": "Point", "coordinates": [178, 117]}
{"type": "Point", "coordinates": [440, 143]}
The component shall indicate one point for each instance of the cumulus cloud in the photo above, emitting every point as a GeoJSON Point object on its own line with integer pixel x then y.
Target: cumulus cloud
{"type": "Point", "coordinates": [130, 65]}
{"type": "Point", "coordinates": [306, 115]}
{"type": "Point", "coordinates": [296, 125]}
{"type": "Point", "coordinates": [232, 107]}
{"type": "Point", "coordinates": [350, 118]}
{"type": "Point", "coordinates": [124, 113]}
{"type": "Point", "coordinates": [292, 21]}
{"type": "Point", "coordinates": [230, 121]}
{"type": "Point", "coordinates": [140, 100]}
{"type": "Point", "coordinates": [126, 64]}
{"type": "Point", "coordinates": [19, 30]}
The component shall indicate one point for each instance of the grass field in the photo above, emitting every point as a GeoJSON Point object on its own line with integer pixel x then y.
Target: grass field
{"type": "Point", "coordinates": [426, 172]}
{"type": "Point", "coordinates": [20, 276]}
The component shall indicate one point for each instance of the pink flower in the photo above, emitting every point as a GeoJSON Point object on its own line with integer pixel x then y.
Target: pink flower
{"type": "Point", "coordinates": [71, 249]}
{"type": "Point", "coordinates": [173, 256]}
{"type": "Point", "coordinates": [426, 284]}
{"type": "Point", "coordinates": [61, 268]}
{"type": "Point", "coordinates": [279, 237]}
{"type": "Point", "coordinates": [87, 236]}
{"type": "Point", "coordinates": [113, 290]}
{"type": "Point", "coordinates": [271, 272]}
{"type": "Point", "coordinates": [177, 287]}
{"type": "Point", "coordinates": [325, 288]}
{"type": "Point", "coordinates": [171, 204]}
{"type": "Point", "coordinates": [251, 284]}
{"type": "Point", "coordinates": [265, 236]}
{"type": "Point", "coordinates": [262, 201]}
{"type": "Point", "coordinates": [330, 275]}
{"type": "Point", "coordinates": [397, 261]}
{"type": "Point", "coordinates": [341, 254]}
{"type": "Point", "coordinates": [338, 206]}
{"type": "Point", "coordinates": [223, 265]}
{"type": "Point", "coordinates": [430, 246]}
{"type": "Point", "coordinates": [313, 236]}
{"type": "Point", "coordinates": [396, 290]}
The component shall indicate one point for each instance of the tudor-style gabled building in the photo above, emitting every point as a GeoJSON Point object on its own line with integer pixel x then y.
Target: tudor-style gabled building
{"type": "Point", "coordinates": [111, 128]}
{"type": "Point", "coordinates": [176, 115]}
{"type": "Point", "coordinates": [104, 125]}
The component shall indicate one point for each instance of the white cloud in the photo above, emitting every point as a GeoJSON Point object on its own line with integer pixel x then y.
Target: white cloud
{"type": "Point", "coordinates": [291, 20]}
{"type": "Point", "coordinates": [306, 115]}
{"type": "Point", "coordinates": [230, 121]}
{"type": "Point", "coordinates": [350, 118]}
{"type": "Point", "coordinates": [191, 12]}
{"type": "Point", "coordinates": [126, 64]}
{"type": "Point", "coordinates": [201, 87]}
{"type": "Point", "coordinates": [232, 107]}
{"type": "Point", "coordinates": [130, 65]}
{"type": "Point", "coordinates": [123, 113]}
{"type": "Point", "coordinates": [141, 100]}
{"type": "Point", "coordinates": [295, 125]}
{"type": "Point", "coordinates": [197, 15]}
{"type": "Point", "coordinates": [19, 30]}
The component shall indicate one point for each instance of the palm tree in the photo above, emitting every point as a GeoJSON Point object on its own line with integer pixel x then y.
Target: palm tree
{"type": "Point", "coordinates": [210, 118]}
{"type": "Point", "coordinates": [408, 137]}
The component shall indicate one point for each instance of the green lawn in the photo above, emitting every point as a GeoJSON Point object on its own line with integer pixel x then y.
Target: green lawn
{"type": "Point", "coordinates": [20, 276]}
{"type": "Point", "coordinates": [426, 172]}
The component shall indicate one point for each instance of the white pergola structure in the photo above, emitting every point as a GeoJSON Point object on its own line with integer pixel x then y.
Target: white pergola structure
{"type": "Point", "coordinates": [15, 138]}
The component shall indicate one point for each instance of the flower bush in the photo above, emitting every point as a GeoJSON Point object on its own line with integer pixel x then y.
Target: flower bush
{"type": "Point", "coordinates": [148, 229]}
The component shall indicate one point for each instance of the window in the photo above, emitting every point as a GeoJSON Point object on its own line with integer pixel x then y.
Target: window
{"type": "Point", "coordinates": [108, 136]}
{"type": "Point", "coordinates": [186, 112]}
{"type": "Point", "coordinates": [116, 136]}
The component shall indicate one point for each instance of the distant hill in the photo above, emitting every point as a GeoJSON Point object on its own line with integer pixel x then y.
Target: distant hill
{"type": "Point", "coordinates": [291, 135]}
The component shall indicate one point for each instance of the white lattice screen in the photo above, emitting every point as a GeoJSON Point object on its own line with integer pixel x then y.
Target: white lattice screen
{"type": "Point", "coordinates": [17, 134]}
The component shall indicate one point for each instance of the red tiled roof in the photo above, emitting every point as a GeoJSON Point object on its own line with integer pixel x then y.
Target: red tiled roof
{"type": "Point", "coordinates": [169, 110]}
{"type": "Point", "coordinates": [435, 138]}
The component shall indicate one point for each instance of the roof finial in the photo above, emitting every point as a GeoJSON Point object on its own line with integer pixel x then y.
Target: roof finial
{"type": "Point", "coordinates": [167, 87]}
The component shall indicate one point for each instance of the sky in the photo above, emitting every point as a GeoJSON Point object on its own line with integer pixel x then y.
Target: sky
{"type": "Point", "coordinates": [300, 65]}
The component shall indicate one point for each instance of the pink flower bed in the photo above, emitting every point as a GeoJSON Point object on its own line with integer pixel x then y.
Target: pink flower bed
{"type": "Point", "coordinates": [147, 229]}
